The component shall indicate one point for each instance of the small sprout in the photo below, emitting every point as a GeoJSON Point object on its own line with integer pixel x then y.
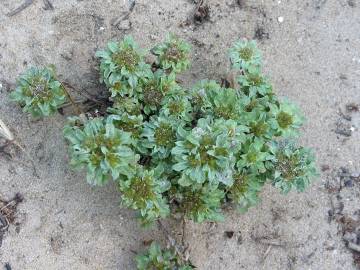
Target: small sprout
{"type": "Point", "coordinates": [173, 54]}
{"type": "Point", "coordinates": [176, 106]}
{"type": "Point", "coordinates": [161, 259]}
{"type": "Point", "coordinates": [39, 92]}
{"type": "Point", "coordinates": [253, 156]}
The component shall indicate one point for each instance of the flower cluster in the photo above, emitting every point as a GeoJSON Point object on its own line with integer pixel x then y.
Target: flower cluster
{"type": "Point", "coordinates": [39, 92]}
{"type": "Point", "coordinates": [188, 151]}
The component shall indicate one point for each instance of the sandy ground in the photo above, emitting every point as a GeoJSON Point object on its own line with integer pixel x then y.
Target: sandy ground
{"type": "Point", "coordinates": [313, 58]}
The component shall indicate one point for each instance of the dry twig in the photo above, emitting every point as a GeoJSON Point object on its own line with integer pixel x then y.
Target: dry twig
{"type": "Point", "coordinates": [23, 6]}
{"type": "Point", "coordinates": [10, 140]}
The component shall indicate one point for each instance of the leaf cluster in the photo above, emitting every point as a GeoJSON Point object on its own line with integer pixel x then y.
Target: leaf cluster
{"type": "Point", "coordinates": [160, 259]}
{"type": "Point", "coordinates": [189, 151]}
{"type": "Point", "coordinates": [39, 92]}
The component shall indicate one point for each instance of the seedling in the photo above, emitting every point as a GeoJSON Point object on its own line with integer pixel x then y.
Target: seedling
{"type": "Point", "coordinates": [160, 259]}
{"type": "Point", "coordinates": [39, 92]}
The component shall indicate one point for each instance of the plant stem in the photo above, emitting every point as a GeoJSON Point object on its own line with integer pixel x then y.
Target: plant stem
{"type": "Point", "coordinates": [77, 108]}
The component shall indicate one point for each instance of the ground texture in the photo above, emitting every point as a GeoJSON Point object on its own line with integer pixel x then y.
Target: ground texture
{"type": "Point", "coordinates": [311, 50]}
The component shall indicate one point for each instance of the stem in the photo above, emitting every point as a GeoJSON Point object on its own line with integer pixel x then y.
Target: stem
{"type": "Point", "coordinates": [77, 108]}
{"type": "Point", "coordinates": [179, 249]}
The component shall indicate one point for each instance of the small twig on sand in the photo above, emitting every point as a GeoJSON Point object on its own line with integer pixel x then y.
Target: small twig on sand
{"type": "Point", "coordinates": [83, 92]}
{"type": "Point", "coordinates": [179, 249]}
{"type": "Point", "coordinates": [4, 224]}
{"type": "Point", "coordinates": [183, 231]}
{"type": "Point", "coordinates": [124, 17]}
{"type": "Point", "coordinates": [354, 246]}
{"type": "Point", "coordinates": [275, 243]}
{"type": "Point", "coordinates": [48, 5]}
{"type": "Point", "coordinates": [10, 139]}
{"type": "Point", "coordinates": [77, 108]}
{"type": "Point", "coordinates": [266, 253]}
{"type": "Point", "coordinates": [23, 6]}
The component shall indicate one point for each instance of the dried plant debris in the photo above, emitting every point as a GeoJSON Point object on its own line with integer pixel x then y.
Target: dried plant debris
{"type": "Point", "coordinates": [48, 5]}
{"type": "Point", "coordinates": [352, 4]}
{"type": "Point", "coordinates": [261, 33]}
{"type": "Point", "coordinates": [23, 6]}
{"type": "Point", "coordinates": [202, 12]}
{"type": "Point", "coordinates": [8, 210]}
{"type": "Point", "coordinates": [352, 107]}
{"type": "Point", "coordinates": [343, 126]}
{"type": "Point", "coordinates": [349, 223]}
{"type": "Point", "coordinates": [241, 3]}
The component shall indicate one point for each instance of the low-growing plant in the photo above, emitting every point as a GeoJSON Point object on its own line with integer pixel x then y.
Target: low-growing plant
{"type": "Point", "coordinates": [161, 259]}
{"type": "Point", "coordinates": [175, 151]}
{"type": "Point", "coordinates": [39, 92]}
{"type": "Point", "coordinates": [194, 150]}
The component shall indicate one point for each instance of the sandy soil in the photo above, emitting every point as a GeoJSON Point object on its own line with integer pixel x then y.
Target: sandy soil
{"type": "Point", "coordinates": [313, 58]}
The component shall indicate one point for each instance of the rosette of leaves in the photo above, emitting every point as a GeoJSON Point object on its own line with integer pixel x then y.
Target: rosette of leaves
{"type": "Point", "coordinates": [199, 98]}
{"type": "Point", "coordinates": [154, 89]}
{"type": "Point", "coordinates": [133, 124]}
{"type": "Point", "coordinates": [245, 189]}
{"type": "Point", "coordinates": [156, 258]}
{"type": "Point", "coordinates": [176, 106]}
{"type": "Point", "coordinates": [122, 66]}
{"type": "Point", "coordinates": [204, 154]}
{"type": "Point", "coordinates": [254, 85]}
{"type": "Point", "coordinates": [259, 123]}
{"type": "Point", "coordinates": [254, 156]}
{"type": "Point", "coordinates": [222, 103]}
{"type": "Point", "coordinates": [200, 202]}
{"type": "Point", "coordinates": [128, 105]}
{"type": "Point", "coordinates": [160, 136]}
{"type": "Point", "coordinates": [173, 54]}
{"type": "Point", "coordinates": [101, 148]}
{"type": "Point", "coordinates": [294, 166]}
{"type": "Point", "coordinates": [39, 92]}
{"type": "Point", "coordinates": [245, 55]}
{"type": "Point", "coordinates": [287, 119]}
{"type": "Point", "coordinates": [144, 192]}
